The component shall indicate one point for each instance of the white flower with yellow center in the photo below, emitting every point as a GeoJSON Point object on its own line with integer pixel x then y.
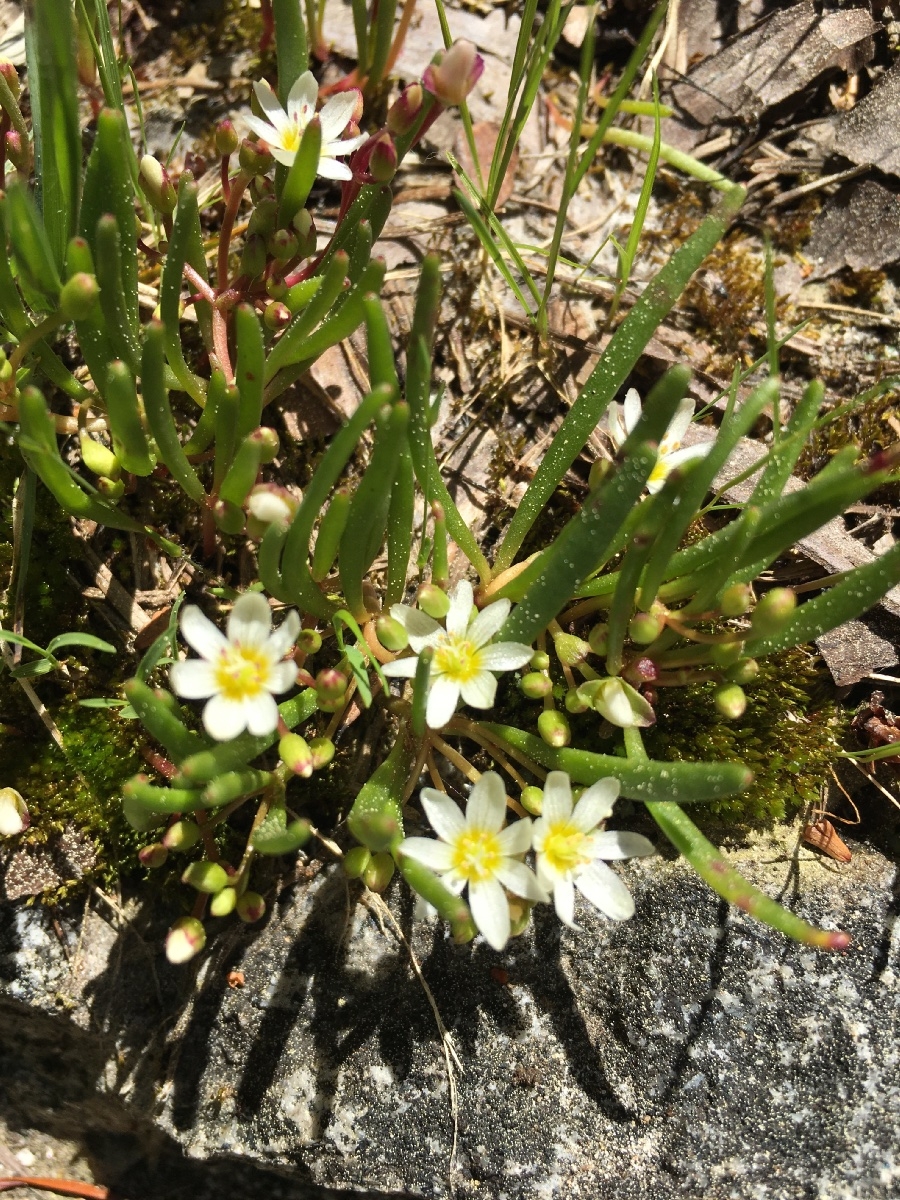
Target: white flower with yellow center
{"type": "Point", "coordinates": [463, 661]}
{"type": "Point", "coordinates": [478, 853]}
{"type": "Point", "coordinates": [239, 674]}
{"type": "Point", "coordinates": [570, 848]}
{"type": "Point", "coordinates": [671, 453]}
{"type": "Point", "coordinates": [282, 130]}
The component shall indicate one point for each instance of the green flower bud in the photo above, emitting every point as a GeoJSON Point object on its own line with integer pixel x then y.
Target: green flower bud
{"type": "Point", "coordinates": [383, 158]}
{"type": "Point", "coordinates": [730, 701]}
{"type": "Point", "coordinates": [532, 800]}
{"type": "Point", "coordinates": [264, 218]}
{"type": "Point", "coordinates": [185, 939]}
{"type": "Point", "coordinates": [323, 750]}
{"type": "Point", "coordinates": [574, 703]}
{"type": "Point", "coordinates": [157, 186]}
{"type": "Point", "coordinates": [250, 907]}
{"type": "Point", "coordinates": [379, 872]}
{"type": "Point", "coordinates": [99, 458]}
{"type": "Point", "coordinates": [227, 140]}
{"type": "Point", "coordinates": [519, 915]}
{"type": "Point", "coordinates": [253, 158]}
{"type": "Point", "coordinates": [112, 489]}
{"type": "Point", "coordinates": [283, 244]}
{"type": "Point", "coordinates": [743, 672]}
{"type": "Point", "coordinates": [598, 639]}
{"type": "Point", "coordinates": [644, 628]}
{"type": "Point", "coordinates": [736, 600]}
{"type": "Point", "coordinates": [205, 876]}
{"type": "Point", "coordinates": [773, 612]}
{"type": "Point", "coordinates": [253, 256]}
{"type": "Point", "coordinates": [309, 641]}
{"type": "Point", "coordinates": [554, 728]}
{"type": "Point", "coordinates": [268, 441]}
{"type": "Point", "coordinates": [276, 316]}
{"type": "Point", "coordinates": [540, 661]}
{"type": "Point", "coordinates": [296, 755]}
{"type": "Point", "coordinates": [331, 684]}
{"type": "Point", "coordinates": [433, 601]}
{"type": "Point", "coordinates": [725, 654]}
{"type": "Point", "coordinates": [223, 903]}
{"type": "Point", "coordinates": [153, 856]}
{"type": "Point", "coordinates": [181, 835]}
{"type": "Point", "coordinates": [536, 685]}
{"type": "Point", "coordinates": [277, 288]}
{"type": "Point", "coordinates": [356, 862]}
{"type": "Point", "coordinates": [305, 226]}
{"type": "Point", "coordinates": [570, 650]}
{"type": "Point", "coordinates": [78, 298]}
{"type": "Point", "coordinates": [391, 633]}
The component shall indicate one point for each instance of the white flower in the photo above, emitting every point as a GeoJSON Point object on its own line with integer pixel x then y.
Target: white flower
{"type": "Point", "coordinates": [463, 660]}
{"type": "Point", "coordinates": [13, 813]}
{"type": "Point", "coordinates": [476, 851]}
{"type": "Point", "coordinates": [238, 673]}
{"type": "Point", "coordinates": [618, 702]}
{"type": "Point", "coordinates": [282, 131]}
{"type": "Point", "coordinates": [570, 847]}
{"type": "Point", "coordinates": [670, 453]}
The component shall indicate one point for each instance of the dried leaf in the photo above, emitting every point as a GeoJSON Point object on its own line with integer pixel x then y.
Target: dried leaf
{"type": "Point", "coordinates": [857, 228]}
{"type": "Point", "coordinates": [870, 132]}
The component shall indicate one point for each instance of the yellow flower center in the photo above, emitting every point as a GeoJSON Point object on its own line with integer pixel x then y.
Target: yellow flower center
{"type": "Point", "coordinates": [458, 659]}
{"type": "Point", "coordinates": [241, 672]}
{"type": "Point", "coordinates": [290, 137]}
{"type": "Point", "coordinates": [477, 855]}
{"type": "Point", "coordinates": [565, 847]}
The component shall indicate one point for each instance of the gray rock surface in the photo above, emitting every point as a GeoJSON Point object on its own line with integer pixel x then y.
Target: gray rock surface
{"type": "Point", "coordinates": [689, 1052]}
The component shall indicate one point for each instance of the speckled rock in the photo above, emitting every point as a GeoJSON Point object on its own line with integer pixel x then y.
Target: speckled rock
{"type": "Point", "coordinates": [688, 1052]}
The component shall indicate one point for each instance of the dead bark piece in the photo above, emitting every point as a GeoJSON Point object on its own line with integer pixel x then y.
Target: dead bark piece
{"type": "Point", "coordinates": [853, 651]}
{"type": "Point", "coordinates": [858, 228]}
{"type": "Point", "coordinates": [775, 60]}
{"type": "Point", "coordinates": [870, 132]}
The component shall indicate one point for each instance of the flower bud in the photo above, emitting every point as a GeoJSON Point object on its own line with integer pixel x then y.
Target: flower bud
{"type": "Point", "coordinates": [268, 505]}
{"type": "Point", "coordinates": [404, 112]}
{"type": "Point", "coordinates": [554, 728]}
{"type": "Point", "coordinates": [644, 628]}
{"type": "Point", "coordinates": [250, 907]}
{"type": "Point", "coordinates": [540, 661]}
{"type": "Point", "coordinates": [14, 816]}
{"type": "Point", "coordinates": [730, 701]}
{"type": "Point", "coordinates": [11, 75]}
{"type": "Point", "coordinates": [598, 639]}
{"type": "Point", "coordinates": [261, 188]}
{"type": "Point", "coordinates": [574, 703]}
{"type": "Point", "coordinates": [227, 140]}
{"type": "Point", "coordinates": [223, 902]}
{"type": "Point", "coordinates": [773, 612]}
{"type": "Point", "coordinates": [157, 186]}
{"type": "Point", "coordinates": [536, 685]}
{"type": "Point", "coordinates": [79, 295]}
{"type": "Point", "coordinates": [309, 641]}
{"type": "Point", "coordinates": [736, 600]}
{"type": "Point", "coordinates": [570, 650]}
{"type": "Point", "coordinates": [205, 876]}
{"type": "Point", "coordinates": [379, 872]}
{"type": "Point", "coordinates": [229, 517]}
{"type": "Point", "coordinates": [618, 702]}
{"type": "Point", "coordinates": [532, 800]}
{"type": "Point", "coordinates": [99, 458]}
{"type": "Point", "coordinates": [153, 856]}
{"type": "Point", "coordinates": [17, 151]}
{"type": "Point", "coordinates": [331, 684]}
{"type": "Point", "coordinates": [253, 256]}
{"type": "Point", "coordinates": [519, 915]}
{"type": "Point", "coordinates": [640, 671]}
{"type": "Point", "coordinates": [254, 158]}
{"type": "Point", "coordinates": [268, 441]}
{"type": "Point", "coordinates": [452, 74]}
{"type": "Point", "coordinates": [276, 316]}
{"type": "Point", "coordinates": [391, 633]}
{"type": "Point", "coordinates": [185, 939]}
{"type": "Point", "coordinates": [181, 835]}
{"type": "Point", "coordinates": [725, 654]}
{"type": "Point", "coordinates": [743, 672]}
{"type": "Point", "coordinates": [305, 228]}
{"type": "Point", "coordinates": [296, 755]}
{"type": "Point", "coordinates": [382, 159]}
{"type": "Point", "coordinates": [323, 750]}
{"type": "Point", "coordinates": [264, 218]}
{"type": "Point", "coordinates": [112, 489]}
{"type": "Point", "coordinates": [283, 244]}
{"type": "Point", "coordinates": [433, 601]}
{"type": "Point", "coordinates": [356, 862]}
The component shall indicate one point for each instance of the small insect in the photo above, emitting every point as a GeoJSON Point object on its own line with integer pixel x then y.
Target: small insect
{"type": "Point", "coordinates": [235, 979]}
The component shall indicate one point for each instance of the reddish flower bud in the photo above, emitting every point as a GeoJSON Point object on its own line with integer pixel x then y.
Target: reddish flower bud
{"type": "Point", "coordinates": [453, 73]}
{"type": "Point", "coordinates": [404, 112]}
{"type": "Point", "coordinates": [227, 140]}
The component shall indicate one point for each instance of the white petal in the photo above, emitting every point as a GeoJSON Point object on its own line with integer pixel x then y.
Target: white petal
{"type": "Point", "coordinates": [285, 635]}
{"type": "Point", "coordinates": [461, 599]}
{"type": "Point", "coordinates": [282, 676]}
{"type": "Point", "coordinates": [488, 622]}
{"type": "Point", "coordinates": [490, 912]}
{"type": "Point", "coordinates": [615, 843]}
{"type": "Point", "coordinates": [547, 876]}
{"type": "Point", "coordinates": [633, 408]}
{"type": "Point", "coordinates": [614, 426]}
{"type": "Point", "coordinates": [330, 168]}
{"type": "Point", "coordinates": [200, 633]}
{"type": "Point", "coordinates": [606, 891]}
{"type": "Point", "coordinates": [224, 719]}
{"type": "Point", "coordinates": [516, 838]}
{"type": "Point", "coordinates": [263, 129]}
{"type": "Point", "coordinates": [285, 157]}
{"type": "Point", "coordinates": [401, 668]}
{"type": "Point", "coordinates": [687, 453]}
{"type": "Point", "coordinates": [557, 803]}
{"type": "Point", "coordinates": [684, 414]}
{"type": "Point", "coordinates": [517, 877]}
{"type": "Point", "coordinates": [262, 715]}
{"type": "Point", "coordinates": [564, 902]}
{"type": "Point", "coordinates": [429, 852]}
{"type": "Point", "coordinates": [486, 808]}
{"type": "Point", "coordinates": [344, 145]}
{"type": "Point", "coordinates": [421, 629]}
{"type": "Point", "coordinates": [194, 679]}
{"type": "Point", "coordinates": [595, 804]}
{"type": "Point", "coordinates": [480, 690]}
{"type": "Point", "coordinates": [443, 697]}
{"type": "Point", "coordinates": [250, 621]}
{"type": "Point", "coordinates": [301, 101]}
{"type": "Point", "coordinates": [336, 113]}
{"type": "Point", "coordinates": [505, 656]}
{"type": "Point", "coordinates": [443, 815]}
{"type": "Point", "coordinates": [270, 105]}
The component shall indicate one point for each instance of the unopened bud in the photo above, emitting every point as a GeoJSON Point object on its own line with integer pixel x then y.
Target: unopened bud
{"type": "Point", "coordinates": [223, 902]}
{"type": "Point", "coordinates": [305, 228]}
{"type": "Point", "coordinates": [309, 641]}
{"type": "Point", "coordinates": [433, 601]}
{"type": "Point", "coordinates": [253, 256]}
{"type": "Point", "coordinates": [452, 74]}
{"type": "Point", "coordinates": [227, 140]}
{"type": "Point", "coordinates": [185, 939]}
{"type": "Point", "coordinates": [181, 835]}
{"type": "Point", "coordinates": [598, 639]}
{"type": "Point", "coordinates": [554, 728]}
{"type": "Point", "coordinates": [112, 489]}
{"type": "Point", "coordinates": [276, 316]}
{"type": "Point", "coordinates": [79, 295]}
{"type": "Point", "coordinates": [406, 109]}
{"type": "Point", "coordinates": [726, 654]}
{"type": "Point", "coordinates": [323, 750]}
{"type": "Point", "coordinates": [570, 650]}
{"type": "Point", "coordinates": [644, 628]}
{"type": "Point", "coordinates": [14, 816]}
{"type": "Point", "coordinates": [519, 915]}
{"type": "Point", "coordinates": [618, 702]}
{"type": "Point", "coordinates": [283, 244]}
{"type": "Point", "coordinates": [296, 755]}
{"type": "Point", "coordinates": [262, 188]}
{"type": "Point", "coordinates": [382, 165]}
{"type": "Point", "coordinates": [540, 661]}
{"type": "Point", "coordinates": [153, 856]}
{"type": "Point", "coordinates": [574, 703]}
{"type": "Point", "coordinates": [379, 872]}
{"type": "Point", "coordinates": [99, 458]}
{"type": "Point", "coordinates": [391, 633]}
{"type": "Point", "coordinates": [11, 75]}
{"type": "Point", "coordinates": [250, 907]}
{"type": "Point", "coordinates": [268, 505]}
{"type": "Point", "coordinates": [532, 800]}
{"type": "Point", "coordinates": [254, 158]}
{"type": "Point", "coordinates": [730, 701]}
{"type": "Point", "coordinates": [536, 685]}
{"type": "Point", "coordinates": [205, 876]}
{"type": "Point", "coordinates": [331, 684]}
{"type": "Point", "coordinates": [356, 861]}
{"type": "Point", "coordinates": [264, 218]}
{"type": "Point", "coordinates": [18, 151]}
{"type": "Point", "coordinates": [736, 600]}
{"type": "Point", "coordinates": [157, 186]}
{"type": "Point", "coordinates": [743, 672]}
{"type": "Point", "coordinates": [773, 612]}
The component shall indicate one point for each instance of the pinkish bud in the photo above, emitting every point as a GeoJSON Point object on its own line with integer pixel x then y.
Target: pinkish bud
{"type": "Point", "coordinates": [11, 75]}
{"type": "Point", "coordinates": [227, 140]}
{"type": "Point", "coordinates": [153, 856]}
{"type": "Point", "coordinates": [276, 316]}
{"type": "Point", "coordinates": [453, 73]}
{"type": "Point", "coordinates": [254, 157]}
{"type": "Point", "coordinates": [157, 186]}
{"type": "Point", "coordinates": [383, 158]}
{"type": "Point", "coordinates": [296, 755]}
{"type": "Point", "coordinates": [185, 939]}
{"type": "Point", "coordinates": [18, 153]}
{"type": "Point", "coordinates": [250, 907]}
{"type": "Point", "coordinates": [554, 728]}
{"type": "Point", "coordinates": [405, 111]}
{"type": "Point", "coordinates": [331, 684]}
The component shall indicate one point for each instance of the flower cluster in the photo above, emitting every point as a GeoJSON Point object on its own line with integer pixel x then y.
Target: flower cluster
{"type": "Point", "coordinates": [477, 852]}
